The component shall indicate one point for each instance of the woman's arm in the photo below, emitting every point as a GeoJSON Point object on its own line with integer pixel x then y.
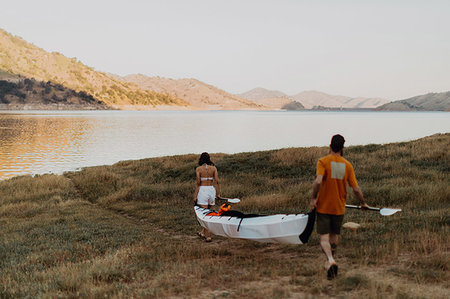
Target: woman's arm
{"type": "Point", "coordinates": [197, 184]}
{"type": "Point", "coordinates": [216, 178]}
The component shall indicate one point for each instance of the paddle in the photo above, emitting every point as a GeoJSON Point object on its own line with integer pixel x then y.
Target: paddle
{"type": "Point", "coordinates": [230, 200]}
{"type": "Point", "coordinates": [383, 211]}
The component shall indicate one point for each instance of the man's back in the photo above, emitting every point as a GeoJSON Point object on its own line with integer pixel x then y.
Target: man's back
{"type": "Point", "coordinates": [336, 172]}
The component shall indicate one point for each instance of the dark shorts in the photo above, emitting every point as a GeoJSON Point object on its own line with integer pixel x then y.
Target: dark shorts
{"type": "Point", "coordinates": [327, 223]}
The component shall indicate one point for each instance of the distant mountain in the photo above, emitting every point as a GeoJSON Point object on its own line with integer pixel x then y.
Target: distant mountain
{"type": "Point", "coordinates": [272, 99]}
{"type": "Point", "coordinates": [22, 58]}
{"type": "Point", "coordinates": [17, 93]}
{"type": "Point", "coordinates": [428, 102]}
{"type": "Point", "coordinates": [197, 94]}
{"type": "Point", "coordinates": [259, 93]}
{"type": "Point", "coordinates": [311, 99]}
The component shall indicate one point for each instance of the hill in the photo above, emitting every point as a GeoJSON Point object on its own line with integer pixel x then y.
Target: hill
{"type": "Point", "coordinates": [272, 99]}
{"type": "Point", "coordinates": [312, 99]}
{"type": "Point", "coordinates": [197, 94]}
{"type": "Point", "coordinates": [22, 58]}
{"type": "Point", "coordinates": [428, 102]}
{"type": "Point", "coordinates": [29, 94]}
{"type": "Point", "coordinates": [262, 93]}
{"type": "Point", "coordinates": [129, 230]}
{"type": "Point", "coordinates": [309, 99]}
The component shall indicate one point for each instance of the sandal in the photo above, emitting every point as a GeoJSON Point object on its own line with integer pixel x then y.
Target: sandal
{"type": "Point", "coordinates": [208, 239]}
{"type": "Point", "coordinates": [201, 235]}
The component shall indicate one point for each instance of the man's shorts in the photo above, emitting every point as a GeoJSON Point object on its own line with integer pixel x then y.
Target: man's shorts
{"type": "Point", "coordinates": [206, 196]}
{"type": "Point", "coordinates": [327, 223]}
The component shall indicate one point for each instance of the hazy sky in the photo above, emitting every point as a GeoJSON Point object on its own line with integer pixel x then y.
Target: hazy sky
{"type": "Point", "coordinates": [382, 48]}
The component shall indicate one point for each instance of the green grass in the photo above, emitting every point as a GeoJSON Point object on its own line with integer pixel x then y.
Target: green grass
{"type": "Point", "coordinates": [128, 230]}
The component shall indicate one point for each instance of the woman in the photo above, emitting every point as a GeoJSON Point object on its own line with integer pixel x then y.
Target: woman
{"type": "Point", "coordinates": [205, 191]}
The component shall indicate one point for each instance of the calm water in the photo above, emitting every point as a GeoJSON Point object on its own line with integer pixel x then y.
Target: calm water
{"type": "Point", "coordinates": [54, 142]}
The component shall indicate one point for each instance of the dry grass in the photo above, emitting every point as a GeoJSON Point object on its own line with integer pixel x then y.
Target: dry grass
{"type": "Point", "coordinates": [128, 230]}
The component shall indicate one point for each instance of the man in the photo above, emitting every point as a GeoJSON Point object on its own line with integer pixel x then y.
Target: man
{"type": "Point", "coordinates": [329, 196]}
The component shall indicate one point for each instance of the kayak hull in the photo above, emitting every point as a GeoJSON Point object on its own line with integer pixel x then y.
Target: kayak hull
{"type": "Point", "coordinates": [279, 228]}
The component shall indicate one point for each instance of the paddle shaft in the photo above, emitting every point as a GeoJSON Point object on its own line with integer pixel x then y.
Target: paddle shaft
{"type": "Point", "coordinates": [359, 208]}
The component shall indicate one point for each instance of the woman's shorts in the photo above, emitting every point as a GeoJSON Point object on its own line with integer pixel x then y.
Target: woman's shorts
{"type": "Point", "coordinates": [327, 223]}
{"type": "Point", "coordinates": [206, 196]}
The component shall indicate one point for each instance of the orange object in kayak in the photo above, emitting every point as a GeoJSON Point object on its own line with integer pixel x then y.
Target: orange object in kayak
{"type": "Point", "coordinates": [221, 211]}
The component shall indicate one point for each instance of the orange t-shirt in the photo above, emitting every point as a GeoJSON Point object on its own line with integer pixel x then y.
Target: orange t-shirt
{"type": "Point", "coordinates": [336, 172]}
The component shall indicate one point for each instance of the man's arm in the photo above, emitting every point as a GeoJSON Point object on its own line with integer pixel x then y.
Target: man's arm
{"type": "Point", "coordinates": [316, 187]}
{"type": "Point", "coordinates": [358, 193]}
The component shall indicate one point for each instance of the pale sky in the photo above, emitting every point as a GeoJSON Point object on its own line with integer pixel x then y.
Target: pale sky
{"type": "Point", "coordinates": [392, 49]}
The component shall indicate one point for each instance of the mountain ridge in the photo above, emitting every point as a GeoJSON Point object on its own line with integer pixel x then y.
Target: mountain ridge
{"type": "Point", "coordinates": [196, 93]}
{"type": "Point", "coordinates": [312, 99]}
{"type": "Point", "coordinates": [439, 101]}
{"type": "Point", "coordinates": [22, 58]}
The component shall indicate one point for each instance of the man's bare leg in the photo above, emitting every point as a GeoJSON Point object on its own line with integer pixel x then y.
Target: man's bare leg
{"type": "Point", "coordinates": [333, 242]}
{"type": "Point", "coordinates": [332, 268]}
{"type": "Point", "coordinates": [326, 247]}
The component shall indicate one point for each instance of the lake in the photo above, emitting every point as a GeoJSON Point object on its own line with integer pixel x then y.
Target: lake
{"type": "Point", "coordinates": [37, 142]}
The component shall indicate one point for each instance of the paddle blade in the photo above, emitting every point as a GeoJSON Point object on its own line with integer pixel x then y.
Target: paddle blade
{"type": "Point", "coordinates": [233, 200]}
{"type": "Point", "coordinates": [389, 212]}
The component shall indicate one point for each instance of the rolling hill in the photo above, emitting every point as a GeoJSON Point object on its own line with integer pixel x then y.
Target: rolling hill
{"type": "Point", "coordinates": [311, 99]}
{"type": "Point", "coordinates": [60, 80]}
{"type": "Point", "coordinates": [262, 93]}
{"type": "Point", "coordinates": [272, 99]}
{"type": "Point", "coordinates": [428, 102]}
{"type": "Point", "coordinates": [22, 58]}
{"type": "Point", "coordinates": [197, 94]}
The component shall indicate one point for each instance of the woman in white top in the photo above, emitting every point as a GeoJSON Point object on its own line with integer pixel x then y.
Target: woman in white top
{"type": "Point", "coordinates": [205, 190]}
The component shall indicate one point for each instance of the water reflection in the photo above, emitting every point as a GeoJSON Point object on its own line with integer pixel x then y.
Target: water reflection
{"type": "Point", "coordinates": [43, 142]}
{"type": "Point", "coordinates": [29, 143]}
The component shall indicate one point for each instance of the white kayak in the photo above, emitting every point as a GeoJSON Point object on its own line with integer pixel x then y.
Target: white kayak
{"type": "Point", "coordinates": [279, 228]}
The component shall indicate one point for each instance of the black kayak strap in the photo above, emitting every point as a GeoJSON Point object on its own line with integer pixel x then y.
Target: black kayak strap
{"type": "Point", "coordinates": [304, 236]}
{"type": "Point", "coordinates": [239, 226]}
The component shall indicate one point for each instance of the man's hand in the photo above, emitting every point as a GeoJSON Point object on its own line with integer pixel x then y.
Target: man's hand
{"type": "Point", "coordinates": [364, 206]}
{"type": "Point", "coordinates": [313, 204]}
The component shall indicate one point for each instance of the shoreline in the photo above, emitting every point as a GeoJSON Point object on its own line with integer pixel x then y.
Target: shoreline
{"type": "Point", "coordinates": [60, 108]}
{"type": "Point", "coordinates": [81, 168]}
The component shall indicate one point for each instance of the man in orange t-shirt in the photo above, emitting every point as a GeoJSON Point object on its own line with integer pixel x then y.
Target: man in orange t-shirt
{"type": "Point", "coordinates": [329, 196]}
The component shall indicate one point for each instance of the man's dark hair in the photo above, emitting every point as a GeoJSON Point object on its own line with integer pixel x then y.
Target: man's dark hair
{"type": "Point", "coordinates": [337, 143]}
{"type": "Point", "coordinates": [205, 159]}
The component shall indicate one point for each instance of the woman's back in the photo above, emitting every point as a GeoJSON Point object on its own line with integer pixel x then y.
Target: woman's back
{"type": "Point", "coordinates": [207, 174]}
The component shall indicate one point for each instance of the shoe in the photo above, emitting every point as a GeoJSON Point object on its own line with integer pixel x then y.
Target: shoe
{"type": "Point", "coordinates": [208, 239]}
{"type": "Point", "coordinates": [332, 271]}
{"type": "Point", "coordinates": [201, 235]}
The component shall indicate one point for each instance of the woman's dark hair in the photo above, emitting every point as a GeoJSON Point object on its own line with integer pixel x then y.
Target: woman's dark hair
{"type": "Point", "coordinates": [337, 143]}
{"type": "Point", "coordinates": [205, 159]}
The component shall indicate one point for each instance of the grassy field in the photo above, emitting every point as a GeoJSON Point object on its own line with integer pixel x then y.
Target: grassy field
{"type": "Point", "coordinates": [128, 230]}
